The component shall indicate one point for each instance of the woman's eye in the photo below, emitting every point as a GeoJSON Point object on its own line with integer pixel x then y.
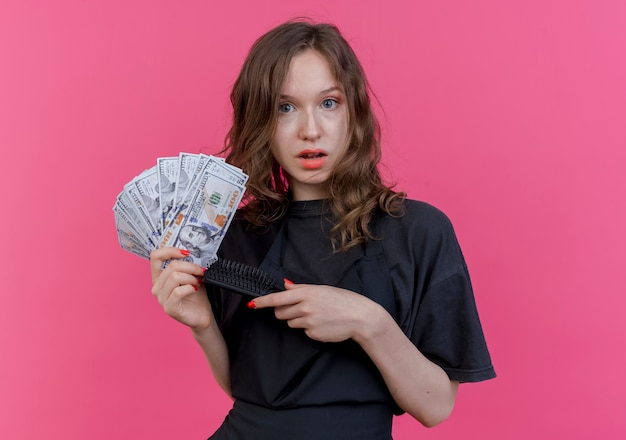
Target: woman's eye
{"type": "Point", "coordinates": [329, 103]}
{"type": "Point", "coordinates": [285, 108]}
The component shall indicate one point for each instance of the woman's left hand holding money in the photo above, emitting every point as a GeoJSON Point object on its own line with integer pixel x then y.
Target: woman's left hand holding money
{"type": "Point", "coordinates": [182, 295]}
{"type": "Point", "coordinates": [178, 288]}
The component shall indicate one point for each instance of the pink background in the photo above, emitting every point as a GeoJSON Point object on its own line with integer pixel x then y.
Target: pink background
{"type": "Point", "coordinates": [508, 115]}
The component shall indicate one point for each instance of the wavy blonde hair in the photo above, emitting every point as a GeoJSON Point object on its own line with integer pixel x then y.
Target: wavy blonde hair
{"type": "Point", "coordinates": [355, 187]}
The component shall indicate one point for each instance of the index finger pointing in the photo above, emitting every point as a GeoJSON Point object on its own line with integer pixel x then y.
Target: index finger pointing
{"type": "Point", "coordinates": [276, 299]}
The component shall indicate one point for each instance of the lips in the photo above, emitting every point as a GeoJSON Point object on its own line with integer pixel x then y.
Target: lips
{"type": "Point", "coordinates": [312, 159]}
{"type": "Point", "coordinates": [311, 154]}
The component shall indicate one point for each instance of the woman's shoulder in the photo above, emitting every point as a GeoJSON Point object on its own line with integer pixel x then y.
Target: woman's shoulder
{"type": "Point", "coordinates": [424, 234]}
{"type": "Point", "coordinates": [425, 209]}
{"type": "Point", "coordinates": [420, 216]}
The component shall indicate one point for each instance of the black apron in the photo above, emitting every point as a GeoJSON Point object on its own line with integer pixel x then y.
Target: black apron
{"type": "Point", "coordinates": [288, 386]}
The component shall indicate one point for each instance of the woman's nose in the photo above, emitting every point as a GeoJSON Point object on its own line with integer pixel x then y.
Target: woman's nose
{"type": "Point", "coordinates": [309, 128]}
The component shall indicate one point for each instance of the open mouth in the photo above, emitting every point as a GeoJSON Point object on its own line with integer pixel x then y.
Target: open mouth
{"type": "Point", "coordinates": [311, 154]}
{"type": "Point", "coordinates": [312, 159]}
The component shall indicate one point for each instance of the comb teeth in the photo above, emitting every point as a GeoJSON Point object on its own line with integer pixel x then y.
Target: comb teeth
{"type": "Point", "coordinates": [240, 278]}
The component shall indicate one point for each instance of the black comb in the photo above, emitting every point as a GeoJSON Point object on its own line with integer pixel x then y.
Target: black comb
{"type": "Point", "coordinates": [241, 278]}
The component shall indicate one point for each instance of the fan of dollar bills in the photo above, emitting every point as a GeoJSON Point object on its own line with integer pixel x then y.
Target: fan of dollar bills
{"type": "Point", "coordinates": [186, 201]}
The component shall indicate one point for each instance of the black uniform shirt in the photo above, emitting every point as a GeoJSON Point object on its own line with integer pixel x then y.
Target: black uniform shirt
{"type": "Point", "coordinates": [430, 297]}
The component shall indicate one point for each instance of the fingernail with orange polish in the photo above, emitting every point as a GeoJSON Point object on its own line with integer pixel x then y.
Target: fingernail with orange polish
{"type": "Point", "coordinates": [287, 281]}
{"type": "Point", "coordinates": [184, 252]}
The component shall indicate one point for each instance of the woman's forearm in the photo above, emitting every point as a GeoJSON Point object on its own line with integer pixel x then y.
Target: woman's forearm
{"type": "Point", "coordinates": [214, 347]}
{"type": "Point", "coordinates": [419, 386]}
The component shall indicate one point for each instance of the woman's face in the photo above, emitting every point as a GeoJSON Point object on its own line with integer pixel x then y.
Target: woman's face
{"type": "Point", "coordinates": [312, 130]}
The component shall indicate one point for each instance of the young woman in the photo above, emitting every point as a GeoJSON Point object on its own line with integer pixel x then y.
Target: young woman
{"type": "Point", "coordinates": [378, 315]}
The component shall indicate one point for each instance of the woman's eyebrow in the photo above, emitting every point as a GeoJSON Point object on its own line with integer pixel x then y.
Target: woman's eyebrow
{"type": "Point", "coordinates": [331, 89]}
{"type": "Point", "coordinates": [322, 92]}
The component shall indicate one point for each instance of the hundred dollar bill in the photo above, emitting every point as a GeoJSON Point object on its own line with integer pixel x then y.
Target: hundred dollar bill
{"type": "Point", "coordinates": [200, 228]}
{"type": "Point", "coordinates": [147, 184]}
{"type": "Point", "coordinates": [137, 205]}
{"type": "Point", "coordinates": [124, 208]}
{"type": "Point", "coordinates": [229, 172]}
{"type": "Point", "coordinates": [212, 165]}
{"type": "Point", "coordinates": [201, 194]}
{"type": "Point", "coordinates": [167, 168]}
{"type": "Point", "coordinates": [124, 224]}
{"type": "Point", "coordinates": [191, 185]}
{"type": "Point", "coordinates": [129, 240]}
{"type": "Point", "coordinates": [187, 168]}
